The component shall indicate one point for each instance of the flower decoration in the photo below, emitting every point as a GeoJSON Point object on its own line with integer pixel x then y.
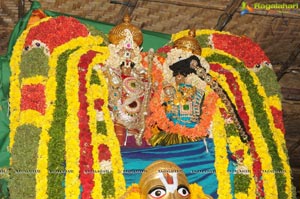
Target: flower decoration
{"type": "Point", "coordinates": [59, 103]}
{"type": "Point", "coordinates": [228, 56]}
{"type": "Point", "coordinates": [51, 101]}
{"type": "Point", "coordinates": [47, 31]}
{"type": "Point", "coordinates": [33, 97]}
{"type": "Point", "coordinates": [104, 153]}
{"type": "Point", "coordinates": [241, 47]}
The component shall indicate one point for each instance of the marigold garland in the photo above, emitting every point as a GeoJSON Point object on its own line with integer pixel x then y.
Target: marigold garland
{"type": "Point", "coordinates": [41, 176]}
{"type": "Point", "coordinates": [235, 144]}
{"type": "Point", "coordinates": [72, 182]}
{"type": "Point", "coordinates": [43, 193]}
{"type": "Point", "coordinates": [244, 115]}
{"type": "Point", "coordinates": [72, 149]}
{"type": "Point", "coordinates": [42, 188]}
{"type": "Point", "coordinates": [56, 155]}
{"type": "Point", "coordinates": [110, 139]}
{"type": "Point", "coordinates": [158, 117]}
{"type": "Point", "coordinates": [86, 160]}
{"type": "Point", "coordinates": [72, 171]}
{"type": "Point", "coordinates": [275, 106]}
{"type": "Point", "coordinates": [237, 94]}
{"type": "Point", "coordinates": [221, 160]}
{"type": "Point", "coordinates": [277, 135]}
{"type": "Point", "coordinates": [259, 114]}
{"type": "Point", "coordinates": [270, 187]}
{"type": "Point", "coordinates": [209, 53]}
{"type": "Point", "coordinates": [50, 36]}
{"type": "Point", "coordinates": [198, 32]}
{"type": "Point", "coordinates": [72, 156]}
{"type": "Point", "coordinates": [241, 47]}
{"type": "Point", "coordinates": [248, 90]}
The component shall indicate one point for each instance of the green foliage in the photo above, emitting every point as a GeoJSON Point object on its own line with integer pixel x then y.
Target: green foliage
{"type": "Point", "coordinates": [241, 183]}
{"type": "Point", "coordinates": [269, 81]}
{"type": "Point", "coordinates": [95, 32]}
{"type": "Point", "coordinates": [56, 147]}
{"type": "Point", "coordinates": [231, 130]}
{"type": "Point", "coordinates": [34, 62]}
{"type": "Point", "coordinates": [24, 162]}
{"type": "Point", "coordinates": [101, 127]}
{"type": "Point", "coordinates": [261, 118]}
{"type": "Point", "coordinates": [203, 40]}
{"type": "Point", "coordinates": [94, 78]}
{"type": "Point", "coordinates": [108, 185]}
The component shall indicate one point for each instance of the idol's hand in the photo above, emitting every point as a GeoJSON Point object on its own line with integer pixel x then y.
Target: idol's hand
{"type": "Point", "coordinates": [194, 64]}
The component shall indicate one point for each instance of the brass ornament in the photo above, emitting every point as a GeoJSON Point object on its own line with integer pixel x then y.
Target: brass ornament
{"type": "Point", "coordinates": [159, 176]}
{"type": "Point", "coordinates": [189, 43]}
{"type": "Point", "coordinates": [118, 33]}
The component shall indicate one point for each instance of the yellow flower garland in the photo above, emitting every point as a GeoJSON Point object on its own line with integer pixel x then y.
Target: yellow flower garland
{"type": "Point", "coordinates": [30, 116]}
{"type": "Point", "coordinates": [110, 139]}
{"type": "Point", "coordinates": [221, 162]}
{"type": "Point", "coordinates": [198, 32]}
{"type": "Point", "coordinates": [72, 149]}
{"type": "Point", "coordinates": [72, 183]}
{"type": "Point", "coordinates": [42, 163]}
{"type": "Point", "coordinates": [279, 141]}
{"type": "Point", "coordinates": [270, 186]}
{"type": "Point", "coordinates": [277, 133]}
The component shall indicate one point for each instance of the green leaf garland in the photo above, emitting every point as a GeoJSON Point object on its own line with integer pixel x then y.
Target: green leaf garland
{"type": "Point", "coordinates": [260, 115]}
{"type": "Point", "coordinates": [56, 159]}
{"type": "Point", "coordinates": [34, 62]}
{"type": "Point", "coordinates": [24, 157]}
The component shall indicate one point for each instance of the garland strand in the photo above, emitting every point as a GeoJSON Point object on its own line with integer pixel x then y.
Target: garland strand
{"type": "Point", "coordinates": [221, 160]}
{"type": "Point", "coordinates": [56, 146]}
{"type": "Point", "coordinates": [278, 139]}
{"type": "Point", "coordinates": [110, 140]}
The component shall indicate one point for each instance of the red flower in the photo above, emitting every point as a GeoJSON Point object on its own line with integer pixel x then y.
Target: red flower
{"type": "Point", "coordinates": [277, 116]}
{"type": "Point", "coordinates": [98, 103]}
{"type": "Point", "coordinates": [241, 47]}
{"type": "Point", "coordinates": [33, 97]}
{"type": "Point", "coordinates": [104, 152]}
{"type": "Point", "coordinates": [86, 157]}
{"type": "Point", "coordinates": [239, 153]}
{"type": "Point", "coordinates": [164, 49]}
{"type": "Point", "coordinates": [56, 31]}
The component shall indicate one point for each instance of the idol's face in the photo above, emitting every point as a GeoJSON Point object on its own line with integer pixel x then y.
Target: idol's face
{"type": "Point", "coordinates": [179, 79]}
{"type": "Point", "coordinates": [160, 192]}
{"type": "Point", "coordinates": [126, 70]}
{"type": "Point", "coordinates": [169, 91]}
{"type": "Point", "coordinates": [164, 184]}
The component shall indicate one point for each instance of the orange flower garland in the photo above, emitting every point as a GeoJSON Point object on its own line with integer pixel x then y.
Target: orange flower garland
{"type": "Point", "coordinates": [158, 118]}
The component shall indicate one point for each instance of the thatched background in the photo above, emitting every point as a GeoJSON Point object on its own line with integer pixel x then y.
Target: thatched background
{"type": "Point", "coordinates": [278, 34]}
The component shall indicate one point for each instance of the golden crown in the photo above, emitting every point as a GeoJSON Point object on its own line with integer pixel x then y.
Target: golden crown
{"type": "Point", "coordinates": [118, 33]}
{"type": "Point", "coordinates": [189, 43]}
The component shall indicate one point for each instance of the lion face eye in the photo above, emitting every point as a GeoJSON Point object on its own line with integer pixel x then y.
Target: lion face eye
{"type": "Point", "coordinates": [157, 192]}
{"type": "Point", "coordinates": [183, 191]}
